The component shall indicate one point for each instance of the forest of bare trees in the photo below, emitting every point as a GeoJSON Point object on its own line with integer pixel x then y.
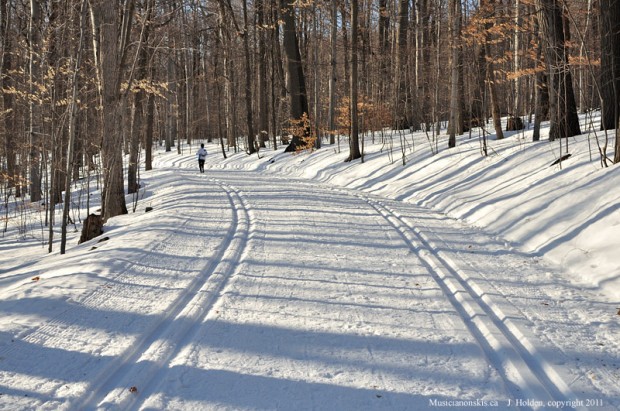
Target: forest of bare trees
{"type": "Point", "coordinates": [90, 86]}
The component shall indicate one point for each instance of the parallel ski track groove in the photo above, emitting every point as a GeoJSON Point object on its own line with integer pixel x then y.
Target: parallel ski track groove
{"type": "Point", "coordinates": [526, 374]}
{"type": "Point", "coordinates": [166, 338]}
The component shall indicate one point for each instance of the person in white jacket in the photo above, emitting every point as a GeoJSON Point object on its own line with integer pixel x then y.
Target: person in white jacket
{"type": "Point", "coordinates": [202, 154]}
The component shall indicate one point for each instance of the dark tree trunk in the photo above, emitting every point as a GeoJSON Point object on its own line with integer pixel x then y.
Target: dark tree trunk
{"type": "Point", "coordinates": [354, 144]}
{"type": "Point", "coordinates": [384, 43]}
{"type": "Point", "coordinates": [148, 137]}
{"type": "Point", "coordinates": [35, 110]}
{"type": "Point", "coordinates": [6, 81]}
{"type": "Point", "coordinates": [495, 110]}
{"type": "Point", "coordinates": [263, 90]}
{"type": "Point", "coordinates": [403, 101]}
{"type": "Point", "coordinates": [610, 67]}
{"type": "Point", "coordinates": [455, 126]}
{"type": "Point", "coordinates": [297, 83]}
{"type": "Point", "coordinates": [248, 81]}
{"type": "Point", "coordinates": [345, 47]}
{"type": "Point", "coordinates": [333, 77]}
{"type": "Point", "coordinates": [562, 105]}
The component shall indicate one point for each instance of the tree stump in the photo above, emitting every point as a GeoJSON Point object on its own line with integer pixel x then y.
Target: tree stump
{"type": "Point", "coordinates": [93, 227]}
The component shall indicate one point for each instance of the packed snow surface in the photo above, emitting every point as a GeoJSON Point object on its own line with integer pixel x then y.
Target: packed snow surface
{"type": "Point", "coordinates": [294, 282]}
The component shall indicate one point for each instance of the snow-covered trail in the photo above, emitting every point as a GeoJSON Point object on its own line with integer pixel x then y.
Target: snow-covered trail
{"type": "Point", "coordinates": [329, 309]}
{"type": "Point", "coordinates": [256, 292]}
{"type": "Point", "coordinates": [342, 302]}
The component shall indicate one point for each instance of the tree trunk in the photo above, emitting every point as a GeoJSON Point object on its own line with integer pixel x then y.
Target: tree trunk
{"type": "Point", "coordinates": [610, 63]}
{"type": "Point", "coordinates": [72, 131]}
{"type": "Point", "coordinates": [516, 110]}
{"type": "Point", "coordinates": [384, 47]}
{"type": "Point", "coordinates": [148, 137]}
{"type": "Point", "coordinates": [296, 80]}
{"type": "Point", "coordinates": [541, 104]}
{"type": "Point", "coordinates": [403, 100]}
{"type": "Point", "coordinates": [354, 144]}
{"type": "Point", "coordinates": [495, 112]}
{"type": "Point", "coordinates": [423, 60]}
{"type": "Point", "coordinates": [6, 81]}
{"type": "Point", "coordinates": [345, 47]}
{"type": "Point", "coordinates": [137, 129]}
{"type": "Point", "coordinates": [563, 108]}
{"type": "Point", "coordinates": [490, 72]}
{"type": "Point", "coordinates": [278, 86]}
{"type": "Point", "coordinates": [248, 81]}
{"type": "Point", "coordinates": [263, 100]}
{"type": "Point", "coordinates": [316, 99]}
{"type": "Point", "coordinates": [171, 101]}
{"type": "Point", "coordinates": [113, 196]}
{"type": "Point", "coordinates": [35, 131]}
{"type": "Point", "coordinates": [583, 71]}
{"type": "Point", "coordinates": [333, 72]}
{"type": "Point", "coordinates": [456, 111]}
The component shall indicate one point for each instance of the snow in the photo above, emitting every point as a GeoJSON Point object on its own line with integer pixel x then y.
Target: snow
{"type": "Point", "coordinates": [292, 282]}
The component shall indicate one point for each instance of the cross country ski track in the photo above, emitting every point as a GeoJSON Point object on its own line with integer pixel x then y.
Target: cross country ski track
{"type": "Point", "coordinates": [119, 385]}
{"type": "Point", "coordinates": [527, 375]}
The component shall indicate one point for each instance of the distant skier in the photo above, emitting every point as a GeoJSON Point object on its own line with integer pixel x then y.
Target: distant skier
{"type": "Point", "coordinates": [202, 154]}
